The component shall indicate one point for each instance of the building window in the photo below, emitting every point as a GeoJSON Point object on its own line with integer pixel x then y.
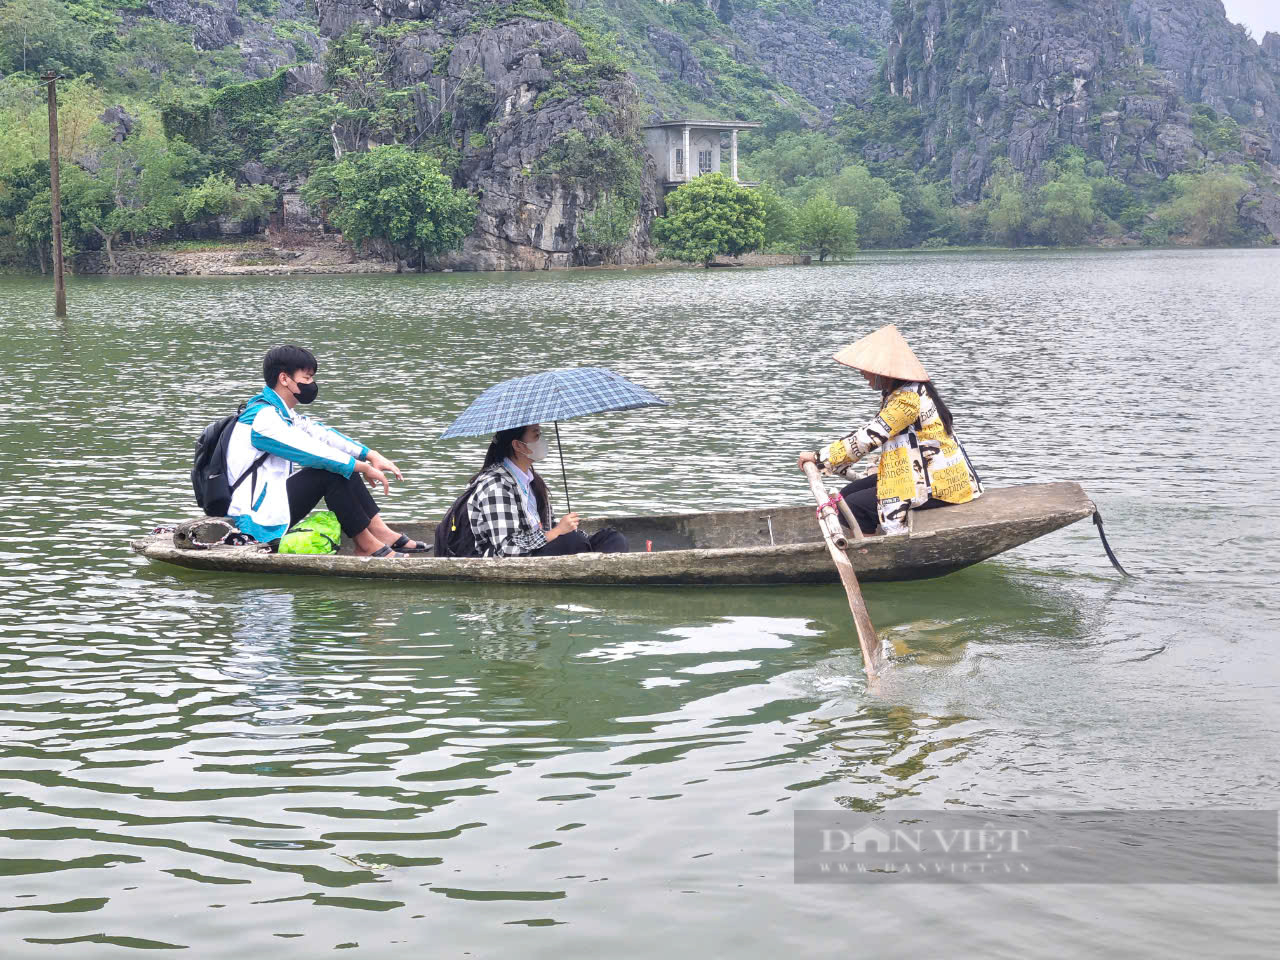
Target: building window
{"type": "Point", "coordinates": [704, 162]}
{"type": "Point", "coordinates": [679, 162]}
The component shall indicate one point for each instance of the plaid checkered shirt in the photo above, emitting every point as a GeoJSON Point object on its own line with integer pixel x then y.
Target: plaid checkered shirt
{"type": "Point", "coordinates": [500, 518]}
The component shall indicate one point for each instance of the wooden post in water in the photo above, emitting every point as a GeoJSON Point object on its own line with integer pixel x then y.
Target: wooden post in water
{"type": "Point", "coordinates": [55, 190]}
{"type": "Point", "coordinates": [832, 533]}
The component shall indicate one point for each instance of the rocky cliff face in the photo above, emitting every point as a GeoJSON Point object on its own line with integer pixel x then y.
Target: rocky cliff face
{"type": "Point", "coordinates": [828, 56]}
{"type": "Point", "coordinates": [527, 220]}
{"type": "Point", "coordinates": [1128, 81]}
{"type": "Point", "coordinates": [218, 23]}
{"type": "Point", "coordinates": [824, 51]}
{"type": "Point", "coordinates": [1118, 78]}
{"type": "Point", "coordinates": [1208, 59]}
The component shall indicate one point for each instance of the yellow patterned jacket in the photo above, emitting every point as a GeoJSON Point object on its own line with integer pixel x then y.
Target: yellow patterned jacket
{"type": "Point", "coordinates": [918, 457]}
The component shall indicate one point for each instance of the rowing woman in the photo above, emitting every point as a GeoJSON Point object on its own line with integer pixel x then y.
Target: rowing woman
{"type": "Point", "coordinates": [922, 464]}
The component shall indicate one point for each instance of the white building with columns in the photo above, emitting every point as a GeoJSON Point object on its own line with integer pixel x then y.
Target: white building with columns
{"type": "Point", "coordinates": [684, 149]}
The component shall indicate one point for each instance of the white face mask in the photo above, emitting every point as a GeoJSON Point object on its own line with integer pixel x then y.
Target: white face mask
{"type": "Point", "coordinates": [537, 450]}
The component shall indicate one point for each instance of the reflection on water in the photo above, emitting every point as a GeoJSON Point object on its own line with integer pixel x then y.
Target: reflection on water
{"type": "Point", "coordinates": [234, 763]}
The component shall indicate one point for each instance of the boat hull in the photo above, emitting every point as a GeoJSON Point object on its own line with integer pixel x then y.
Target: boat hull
{"type": "Point", "coordinates": [766, 546]}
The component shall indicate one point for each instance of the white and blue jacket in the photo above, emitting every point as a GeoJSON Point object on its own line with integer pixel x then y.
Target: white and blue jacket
{"type": "Point", "coordinates": [260, 505]}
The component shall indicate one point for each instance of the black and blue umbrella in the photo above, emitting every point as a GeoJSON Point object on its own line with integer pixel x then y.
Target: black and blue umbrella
{"type": "Point", "coordinates": [555, 395]}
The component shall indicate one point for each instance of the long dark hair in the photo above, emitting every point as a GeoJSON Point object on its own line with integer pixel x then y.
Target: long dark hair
{"type": "Point", "coordinates": [888, 385]}
{"type": "Point", "coordinates": [500, 449]}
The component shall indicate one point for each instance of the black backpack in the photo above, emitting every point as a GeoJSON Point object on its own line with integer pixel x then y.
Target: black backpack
{"type": "Point", "coordinates": [209, 471]}
{"type": "Point", "coordinates": [453, 534]}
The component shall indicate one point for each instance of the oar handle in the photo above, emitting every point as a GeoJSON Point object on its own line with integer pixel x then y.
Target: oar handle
{"type": "Point", "coordinates": [837, 543]}
{"type": "Point", "coordinates": [827, 516]}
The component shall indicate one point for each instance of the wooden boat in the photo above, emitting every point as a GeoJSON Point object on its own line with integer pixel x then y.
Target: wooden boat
{"type": "Point", "coordinates": [766, 546]}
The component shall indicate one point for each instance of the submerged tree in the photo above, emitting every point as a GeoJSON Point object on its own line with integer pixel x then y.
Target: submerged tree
{"type": "Point", "coordinates": [709, 217]}
{"type": "Point", "coordinates": [826, 228]}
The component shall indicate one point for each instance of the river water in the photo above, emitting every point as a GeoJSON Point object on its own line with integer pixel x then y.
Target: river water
{"type": "Point", "coordinates": [240, 764]}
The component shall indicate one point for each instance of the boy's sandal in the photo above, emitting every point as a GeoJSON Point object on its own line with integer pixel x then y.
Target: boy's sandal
{"type": "Point", "coordinates": [400, 545]}
{"type": "Point", "coordinates": [388, 554]}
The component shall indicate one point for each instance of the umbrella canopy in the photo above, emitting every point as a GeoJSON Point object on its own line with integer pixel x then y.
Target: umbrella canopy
{"type": "Point", "coordinates": [552, 396]}
{"type": "Point", "coordinates": [555, 395]}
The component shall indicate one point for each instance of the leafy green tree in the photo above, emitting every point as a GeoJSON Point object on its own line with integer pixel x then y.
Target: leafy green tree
{"type": "Point", "coordinates": [33, 226]}
{"type": "Point", "coordinates": [397, 196]}
{"type": "Point", "coordinates": [1115, 200]}
{"type": "Point", "coordinates": [1005, 205]}
{"type": "Point", "coordinates": [362, 106]}
{"type": "Point", "coordinates": [826, 228]}
{"type": "Point", "coordinates": [600, 164]}
{"type": "Point", "coordinates": [141, 180]}
{"type": "Point", "coordinates": [966, 224]}
{"type": "Point", "coordinates": [793, 158]}
{"type": "Point", "coordinates": [708, 217]}
{"type": "Point", "coordinates": [1066, 201]}
{"type": "Point", "coordinates": [924, 205]}
{"type": "Point", "coordinates": [211, 198]}
{"type": "Point", "coordinates": [320, 192]}
{"type": "Point", "coordinates": [153, 53]}
{"type": "Point", "coordinates": [473, 101]}
{"type": "Point", "coordinates": [24, 122]}
{"type": "Point", "coordinates": [881, 222]}
{"type": "Point", "coordinates": [1218, 133]}
{"type": "Point", "coordinates": [607, 228]}
{"type": "Point", "coordinates": [39, 35]}
{"type": "Point", "coordinates": [1206, 205]}
{"type": "Point", "coordinates": [779, 218]}
{"type": "Point", "coordinates": [218, 196]}
{"type": "Point", "coordinates": [82, 201]}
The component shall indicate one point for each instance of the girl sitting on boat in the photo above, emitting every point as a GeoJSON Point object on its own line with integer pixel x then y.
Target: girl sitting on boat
{"type": "Point", "coordinates": [922, 464]}
{"type": "Point", "coordinates": [510, 508]}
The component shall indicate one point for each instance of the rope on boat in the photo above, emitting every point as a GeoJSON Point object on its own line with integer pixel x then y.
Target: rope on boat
{"type": "Point", "coordinates": [1097, 522]}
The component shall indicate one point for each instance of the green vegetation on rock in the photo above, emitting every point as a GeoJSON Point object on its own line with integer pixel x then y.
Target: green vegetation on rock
{"type": "Point", "coordinates": [607, 228]}
{"type": "Point", "coordinates": [397, 196]}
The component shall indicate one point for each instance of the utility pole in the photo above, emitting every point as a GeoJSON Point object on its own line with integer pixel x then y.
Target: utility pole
{"type": "Point", "coordinates": [55, 189]}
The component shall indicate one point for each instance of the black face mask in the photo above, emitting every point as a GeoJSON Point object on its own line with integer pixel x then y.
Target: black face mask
{"type": "Point", "coordinates": [307, 391]}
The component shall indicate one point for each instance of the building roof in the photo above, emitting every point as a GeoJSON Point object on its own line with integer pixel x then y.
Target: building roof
{"type": "Point", "coordinates": [711, 124]}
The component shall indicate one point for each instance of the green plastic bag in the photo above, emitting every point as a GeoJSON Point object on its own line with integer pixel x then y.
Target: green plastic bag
{"type": "Point", "coordinates": [319, 532]}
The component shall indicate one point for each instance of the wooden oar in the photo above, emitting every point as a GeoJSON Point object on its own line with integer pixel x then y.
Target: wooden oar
{"type": "Point", "coordinates": [837, 543]}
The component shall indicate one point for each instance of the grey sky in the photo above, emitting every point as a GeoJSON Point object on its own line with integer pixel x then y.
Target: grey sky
{"type": "Point", "coordinates": [1258, 15]}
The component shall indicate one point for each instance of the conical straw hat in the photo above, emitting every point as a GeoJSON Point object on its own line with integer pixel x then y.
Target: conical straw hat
{"type": "Point", "coordinates": [884, 352]}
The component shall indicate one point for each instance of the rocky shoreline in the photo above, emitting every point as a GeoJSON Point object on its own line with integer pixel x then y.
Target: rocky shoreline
{"type": "Point", "coordinates": [326, 256]}
{"type": "Point", "coordinates": [320, 256]}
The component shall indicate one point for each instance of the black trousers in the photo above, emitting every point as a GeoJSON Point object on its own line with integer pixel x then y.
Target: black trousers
{"type": "Point", "coordinates": [607, 540]}
{"type": "Point", "coordinates": [347, 497]}
{"type": "Point", "coordinates": [861, 498]}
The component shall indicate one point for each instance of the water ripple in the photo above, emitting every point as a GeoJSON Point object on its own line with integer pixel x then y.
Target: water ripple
{"type": "Point", "coordinates": [227, 763]}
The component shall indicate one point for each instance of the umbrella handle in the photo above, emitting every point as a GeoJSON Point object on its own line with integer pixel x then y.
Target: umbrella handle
{"type": "Point", "coordinates": [563, 476]}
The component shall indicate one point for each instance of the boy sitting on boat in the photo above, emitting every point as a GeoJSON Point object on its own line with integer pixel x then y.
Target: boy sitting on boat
{"type": "Point", "coordinates": [296, 460]}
